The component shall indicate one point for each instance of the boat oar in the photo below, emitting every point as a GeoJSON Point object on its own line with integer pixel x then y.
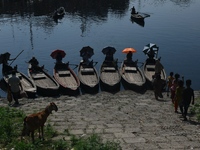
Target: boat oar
{"type": "Point", "coordinates": [145, 14]}
{"type": "Point", "coordinates": [75, 67]}
{"type": "Point", "coordinates": [16, 57]}
{"type": "Point", "coordinates": [95, 63]}
{"type": "Point", "coordinates": [141, 63]}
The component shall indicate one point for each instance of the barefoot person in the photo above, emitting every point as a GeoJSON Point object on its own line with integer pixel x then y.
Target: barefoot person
{"type": "Point", "coordinates": [169, 82]}
{"type": "Point", "coordinates": [174, 85]}
{"type": "Point", "coordinates": [158, 86]}
{"type": "Point", "coordinates": [15, 85]}
{"type": "Point", "coordinates": [188, 97]}
{"type": "Point", "coordinates": [178, 97]}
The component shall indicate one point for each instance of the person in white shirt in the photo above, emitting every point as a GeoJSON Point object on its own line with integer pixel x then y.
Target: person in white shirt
{"type": "Point", "coordinates": [15, 85]}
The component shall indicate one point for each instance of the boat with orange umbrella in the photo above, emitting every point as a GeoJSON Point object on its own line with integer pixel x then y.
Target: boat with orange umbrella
{"type": "Point", "coordinates": [132, 76]}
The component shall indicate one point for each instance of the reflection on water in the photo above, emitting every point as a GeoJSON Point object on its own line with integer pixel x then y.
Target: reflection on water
{"type": "Point", "coordinates": [138, 21]}
{"type": "Point", "coordinates": [28, 25]}
{"type": "Point", "coordinates": [46, 7]}
{"type": "Point", "coordinates": [89, 11]}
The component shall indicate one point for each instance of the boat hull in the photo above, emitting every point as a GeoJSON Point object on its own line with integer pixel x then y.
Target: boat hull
{"type": "Point", "coordinates": [149, 72]}
{"type": "Point", "coordinates": [67, 79]}
{"type": "Point", "coordinates": [109, 78]}
{"type": "Point", "coordinates": [46, 84]}
{"type": "Point", "coordinates": [89, 79]}
{"type": "Point", "coordinates": [28, 85]}
{"type": "Point", "coordinates": [132, 77]}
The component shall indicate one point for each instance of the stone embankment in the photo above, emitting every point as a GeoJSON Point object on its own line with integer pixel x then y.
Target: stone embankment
{"type": "Point", "coordinates": [137, 121]}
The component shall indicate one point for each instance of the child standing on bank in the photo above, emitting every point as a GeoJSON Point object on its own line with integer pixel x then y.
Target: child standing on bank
{"type": "Point", "coordinates": [174, 85]}
{"type": "Point", "coordinates": [188, 96]}
{"type": "Point", "coordinates": [169, 82]}
{"type": "Point", "coordinates": [178, 97]}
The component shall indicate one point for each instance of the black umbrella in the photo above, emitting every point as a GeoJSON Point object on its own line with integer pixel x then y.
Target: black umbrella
{"type": "Point", "coordinates": [108, 49]}
{"type": "Point", "coordinates": [87, 50]}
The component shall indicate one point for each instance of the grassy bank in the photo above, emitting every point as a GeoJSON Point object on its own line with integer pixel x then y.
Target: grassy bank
{"type": "Point", "coordinates": [195, 109]}
{"type": "Point", "coordinates": [11, 125]}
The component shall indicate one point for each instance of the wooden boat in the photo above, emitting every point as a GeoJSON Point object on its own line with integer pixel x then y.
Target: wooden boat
{"type": "Point", "coordinates": [67, 79]}
{"type": "Point", "coordinates": [28, 85]}
{"type": "Point", "coordinates": [58, 13]}
{"type": "Point", "coordinates": [138, 20]}
{"type": "Point", "coordinates": [89, 78]}
{"type": "Point", "coordinates": [149, 71]}
{"type": "Point", "coordinates": [132, 76]}
{"type": "Point", "coordinates": [109, 77]}
{"type": "Point", "coordinates": [139, 16]}
{"type": "Point", "coordinates": [46, 84]}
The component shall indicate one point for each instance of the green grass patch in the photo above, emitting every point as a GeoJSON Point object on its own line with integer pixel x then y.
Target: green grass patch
{"type": "Point", "coordinates": [93, 142]}
{"type": "Point", "coordinates": [195, 109]}
{"type": "Point", "coordinates": [11, 125]}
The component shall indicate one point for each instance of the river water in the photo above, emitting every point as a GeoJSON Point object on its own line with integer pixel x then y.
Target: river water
{"type": "Point", "coordinates": [173, 25]}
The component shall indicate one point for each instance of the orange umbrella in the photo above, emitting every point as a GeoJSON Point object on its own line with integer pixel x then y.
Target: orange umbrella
{"type": "Point", "coordinates": [127, 50]}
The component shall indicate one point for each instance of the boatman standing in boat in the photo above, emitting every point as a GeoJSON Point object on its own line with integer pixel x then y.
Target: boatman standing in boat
{"type": "Point", "coordinates": [4, 58]}
{"type": "Point", "coordinates": [133, 11]}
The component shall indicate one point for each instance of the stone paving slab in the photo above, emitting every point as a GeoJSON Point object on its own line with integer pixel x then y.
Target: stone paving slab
{"type": "Point", "coordinates": [137, 121]}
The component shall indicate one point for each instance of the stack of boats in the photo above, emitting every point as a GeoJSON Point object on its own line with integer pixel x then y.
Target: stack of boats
{"type": "Point", "coordinates": [88, 80]}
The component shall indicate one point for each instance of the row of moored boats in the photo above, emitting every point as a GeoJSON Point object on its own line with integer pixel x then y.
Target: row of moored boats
{"type": "Point", "coordinates": [88, 80]}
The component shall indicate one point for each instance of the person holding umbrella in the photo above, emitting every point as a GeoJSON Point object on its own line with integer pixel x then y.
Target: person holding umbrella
{"type": "Point", "coordinates": [59, 58]}
{"type": "Point", "coordinates": [86, 53]}
{"type": "Point", "coordinates": [129, 57]}
{"type": "Point", "coordinates": [129, 53]}
{"type": "Point", "coordinates": [109, 57]}
{"type": "Point", "coordinates": [58, 55]}
{"type": "Point", "coordinates": [109, 52]}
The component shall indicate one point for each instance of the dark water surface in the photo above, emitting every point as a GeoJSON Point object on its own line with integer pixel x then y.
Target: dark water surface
{"type": "Point", "coordinates": [173, 25]}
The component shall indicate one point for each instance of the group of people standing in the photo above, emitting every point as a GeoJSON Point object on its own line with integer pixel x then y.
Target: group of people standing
{"type": "Point", "coordinates": [181, 96]}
